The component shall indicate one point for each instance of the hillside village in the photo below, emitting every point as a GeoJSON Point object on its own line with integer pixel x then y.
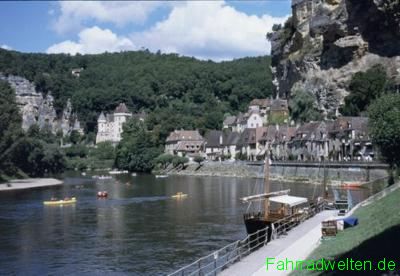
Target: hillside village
{"type": "Point", "coordinates": [264, 127]}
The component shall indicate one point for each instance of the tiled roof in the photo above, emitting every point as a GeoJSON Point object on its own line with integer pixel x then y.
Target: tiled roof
{"type": "Point", "coordinates": [189, 145]}
{"type": "Point", "coordinates": [101, 117]}
{"type": "Point", "coordinates": [247, 137]}
{"type": "Point", "coordinates": [230, 120]}
{"type": "Point", "coordinates": [260, 102]}
{"type": "Point", "coordinates": [121, 108]}
{"type": "Point", "coordinates": [279, 105]}
{"type": "Point", "coordinates": [186, 135]}
{"type": "Point", "coordinates": [213, 138]}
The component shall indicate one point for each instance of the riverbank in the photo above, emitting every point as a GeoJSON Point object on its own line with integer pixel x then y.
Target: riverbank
{"type": "Point", "coordinates": [373, 239]}
{"type": "Point", "coordinates": [29, 183]}
{"type": "Point", "coordinates": [286, 172]}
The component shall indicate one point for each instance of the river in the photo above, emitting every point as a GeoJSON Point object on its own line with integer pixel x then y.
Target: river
{"type": "Point", "coordinates": [138, 230]}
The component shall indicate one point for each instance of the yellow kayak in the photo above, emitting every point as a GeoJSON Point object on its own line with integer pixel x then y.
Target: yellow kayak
{"type": "Point", "coordinates": [179, 195]}
{"type": "Point", "coordinates": [60, 202]}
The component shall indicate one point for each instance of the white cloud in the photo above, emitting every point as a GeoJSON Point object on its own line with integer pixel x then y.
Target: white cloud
{"type": "Point", "coordinates": [93, 41]}
{"type": "Point", "coordinates": [72, 14]}
{"type": "Point", "coordinates": [6, 47]}
{"type": "Point", "coordinates": [212, 30]}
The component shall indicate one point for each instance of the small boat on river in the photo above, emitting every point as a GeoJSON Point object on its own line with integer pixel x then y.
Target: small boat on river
{"type": "Point", "coordinates": [351, 185]}
{"type": "Point", "coordinates": [102, 194]}
{"type": "Point", "coordinates": [117, 172]}
{"type": "Point", "coordinates": [179, 195]}
{"type": "Point", "coordinates": [60, 202]}
{"type": "Point", "coordinates": [161, 176]}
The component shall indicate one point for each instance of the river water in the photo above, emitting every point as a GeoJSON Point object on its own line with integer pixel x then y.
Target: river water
{"type": "Point", "coordinates": [138, 230]}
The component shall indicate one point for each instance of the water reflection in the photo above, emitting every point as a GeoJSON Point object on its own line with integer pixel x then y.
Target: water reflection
{"type": "Point", "coordinates": [139, 229]}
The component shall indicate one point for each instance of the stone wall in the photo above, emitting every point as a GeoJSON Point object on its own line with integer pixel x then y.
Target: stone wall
{"type": "Point", "coordinates": [286, 172]}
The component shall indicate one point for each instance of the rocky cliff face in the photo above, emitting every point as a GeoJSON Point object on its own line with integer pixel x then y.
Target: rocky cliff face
{"type": "Point", "coordinates": [38, 109]}
{"type": "Point", "coordinates": [325, 42]}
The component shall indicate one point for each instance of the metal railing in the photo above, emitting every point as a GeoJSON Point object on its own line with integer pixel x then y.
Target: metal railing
{"type": "Point", "coordinates": [226, 256]}
{"type": "Point", "coordinates": [221, 259]}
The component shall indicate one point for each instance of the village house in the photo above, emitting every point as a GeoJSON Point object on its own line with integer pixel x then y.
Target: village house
{"type": "Point", "coordinates": [311, 142]}
{"type": "Point", "coordinates": [278, 112]}
{"type": "Point", "coordinates": [184, 142]}
{"type": "Point", "coordinates": [249, 143]}
{"type": "Point", "coordinates": [230, 144]}
{"type": "Point", "coordinates": [109, 126]}
{"type": "Point", "coordinates": [276, 139]}
{"type": "Point", "coordinates": [230, 123]}
{"type": "Point", "coordinates": [214, 144]}
{"type": "Point", "coordinates": [349, 140]}
{"type": "Point", "coordinates": [221, 145]}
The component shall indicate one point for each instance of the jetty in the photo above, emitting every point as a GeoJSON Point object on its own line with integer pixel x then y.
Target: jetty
{"type": "Point", "coordinates": [296, 245]}
{"type": "Point", "coordinates": [29, 183]}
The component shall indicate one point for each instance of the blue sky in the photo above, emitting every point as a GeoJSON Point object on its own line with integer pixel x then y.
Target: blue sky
{"type": "Point", "coordinates": [218, 30]}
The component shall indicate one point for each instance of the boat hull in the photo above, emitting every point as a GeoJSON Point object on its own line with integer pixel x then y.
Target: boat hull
{"type": "Point", "coordinates": [60, 202]}
{"type": "Point", "coordinates": [258, 224]}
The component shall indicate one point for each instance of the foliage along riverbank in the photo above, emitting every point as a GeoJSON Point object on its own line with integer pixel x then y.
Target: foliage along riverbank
{"type": "Point", "coordinates": [373, 239]}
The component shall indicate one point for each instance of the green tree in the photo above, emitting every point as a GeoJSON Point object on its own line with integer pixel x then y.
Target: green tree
{"type": "Point", "coordinates": [10, 129]}
{"type": "Point", "coordinates": [364, 88]}
{"type": "Point", "coordinates": [302, 107]}
{"type": "Point", "coordinates": [164, 160]}
{"type": "Point", "coordinates": [384, 127]}
{"type": "Point", "coordinates": [179, 162]}
{"type": "Point", "coordinates": [136, 151]}
{"type": "Point", "coordinates": [198, 159]}
{"type": "Point", "coordinates": [104, 151]}
{"type": "Point", "coordinates": [75, 137]}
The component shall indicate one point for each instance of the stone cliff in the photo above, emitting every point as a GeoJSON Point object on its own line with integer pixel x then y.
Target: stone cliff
{"type": "Point", "coordinates": [38, 109]}
{"type": "Point", "coordinates": [325, 42]}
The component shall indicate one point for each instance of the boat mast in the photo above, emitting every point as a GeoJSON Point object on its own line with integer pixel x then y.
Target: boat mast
{"type": "Point", "coordinates": [266, 186]}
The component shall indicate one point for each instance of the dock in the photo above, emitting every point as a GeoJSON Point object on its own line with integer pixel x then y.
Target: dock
{"type": "Point", "coordinates": [296, 245]}
{"type": "Point", "coordinates": [29, 183]}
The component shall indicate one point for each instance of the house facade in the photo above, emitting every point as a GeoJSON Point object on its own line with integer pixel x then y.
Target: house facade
{"type": "Point", "coordinates": [350, 140]}
{"type": "Point", "coordinates": [185, 142]}
{"type": "Point", "coordinates": [109, 126]}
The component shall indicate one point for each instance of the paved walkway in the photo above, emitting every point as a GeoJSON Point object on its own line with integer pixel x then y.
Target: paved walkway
{"type": "Point", "coordinates": [29, 183]}
{"type": "Point", "coordinates": [297, 245]}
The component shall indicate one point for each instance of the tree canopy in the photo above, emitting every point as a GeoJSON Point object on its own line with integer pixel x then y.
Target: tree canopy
{"type": "Point", "coordinates": [302, 107]}
{"type": "Point", "coordinates": [176, 92]}
{"type": "Point", "coordinates": [384, 127]}
{"type": "Point", "coordinates": [137, 150]}
{"type": "Point", "coordinates": [364, 88]}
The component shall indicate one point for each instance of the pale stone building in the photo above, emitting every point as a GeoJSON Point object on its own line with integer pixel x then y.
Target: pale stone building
{"type": "Point", "coordinates": [109, 127]}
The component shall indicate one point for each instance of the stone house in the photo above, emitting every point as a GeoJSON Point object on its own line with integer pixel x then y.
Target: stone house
{"type": "Point", "coordinates": [230, 123]}
{"type": "Point", "coordinates": [249, 143]}
{"type": "Point", "coordinates": [277, 140]}
{"type": "Point", "coordinates": [278, 112]}
{"type": "Point", "coordinates": [310, 142]}
{"type": "Point", "coordinates": [184, 142]}
{"type": "Point", "coordinates": [349, 140]}
{"type": "Point", "coordinates": [230, 144]}
{"type": "Point", "coordinates": [214, 147]}
{"type": "Point", "coordinates": [109, 126]}
{"type": "Point", "coordinates": [221, 144]}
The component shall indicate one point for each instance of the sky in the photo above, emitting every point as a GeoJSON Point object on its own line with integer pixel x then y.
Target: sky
{"type": "Point", "coordinates": [216, 30]}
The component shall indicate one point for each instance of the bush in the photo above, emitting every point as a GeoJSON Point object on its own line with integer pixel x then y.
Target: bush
{"type": "Point", "coordinates": [198, 159]}
{"type": "Point", "coordinates": [164, 160]}
{"type": "Point", "coordinates": [179, 161]}
{"type": "Point", "coordinates": [76, 151]}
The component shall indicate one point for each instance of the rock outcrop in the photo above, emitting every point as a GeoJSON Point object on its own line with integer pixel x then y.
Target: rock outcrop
{"type": "Point", "coordinates": [326, 42]}
{"type": "Point", "coordinates": [37, 108]}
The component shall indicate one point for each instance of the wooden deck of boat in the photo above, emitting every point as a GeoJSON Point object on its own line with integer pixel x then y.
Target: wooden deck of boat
{"type": "Point", "coordinates": [297, 245]}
